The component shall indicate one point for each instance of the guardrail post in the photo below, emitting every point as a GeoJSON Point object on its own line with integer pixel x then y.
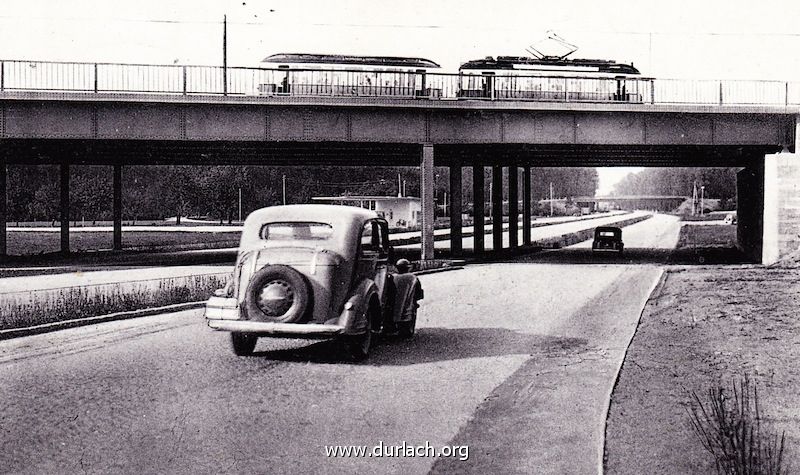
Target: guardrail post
{"type": "Point", "coordinates": [95, 77]}
{"type": "Point", "coordinates": [2, 75]}
{"type": "Point", "coordinates": [786, 93]}
{"type": "Point", "coordinates": [720, 93]}
{"type": "Point", "coordinates": [184, 80]}
{"type": "Point", "coordinates": [566, 90]}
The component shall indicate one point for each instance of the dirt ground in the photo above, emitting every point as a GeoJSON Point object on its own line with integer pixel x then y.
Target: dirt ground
{"type": "Point", "coordinates": [706, 326]}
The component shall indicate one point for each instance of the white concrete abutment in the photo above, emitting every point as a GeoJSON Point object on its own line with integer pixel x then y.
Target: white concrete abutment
{"type": "Point", "coordinates": [781, 211]}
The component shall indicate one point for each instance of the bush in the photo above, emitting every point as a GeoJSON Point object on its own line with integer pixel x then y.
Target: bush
{"type": "Point", "coordinates": [734, 432]}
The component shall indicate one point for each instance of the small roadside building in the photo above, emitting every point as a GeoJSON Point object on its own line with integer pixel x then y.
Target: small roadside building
{"type": "Point", "coordinates": [398, 211]}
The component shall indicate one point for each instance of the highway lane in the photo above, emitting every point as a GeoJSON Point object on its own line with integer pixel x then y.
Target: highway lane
{"type": "Point", "coordinates": [557, 228]}
{"type": "Point", "coordinates": [165, 394]}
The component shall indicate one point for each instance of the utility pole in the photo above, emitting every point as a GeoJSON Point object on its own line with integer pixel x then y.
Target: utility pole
{"type": "Point", "coordinates": [551, 198]}
{"type": "Point", "coordinates": [399, 187]}
{"type": "Point", "coordinates": [240, 204]}
{"type": "Point", "coordinates": [702, 197]}
{"type": "Point", "coordinates": [694, 198]}
{"type": "Point", "coordinates": [284, 189]}
{"type": "Point", "coordinates": [225, 55]}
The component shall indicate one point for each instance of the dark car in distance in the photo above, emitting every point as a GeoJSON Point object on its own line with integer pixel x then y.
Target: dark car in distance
{"type": "Point", "coordinates": [607, 239]}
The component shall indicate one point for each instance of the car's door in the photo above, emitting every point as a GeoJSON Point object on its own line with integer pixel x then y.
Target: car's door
{"type": "Point", "coordinates": [381, 230]}
{"type": "Point", "coordinates": [373, 254]}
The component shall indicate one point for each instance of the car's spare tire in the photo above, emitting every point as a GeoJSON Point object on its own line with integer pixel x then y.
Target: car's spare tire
{"type": "Point", "coordinates": [277, 293]}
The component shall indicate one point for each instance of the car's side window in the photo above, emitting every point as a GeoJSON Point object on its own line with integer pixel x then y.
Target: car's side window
{"type": "Point", "coordinates": [383, 234]}
{"type": "Point", "coordinates": [369, 238]}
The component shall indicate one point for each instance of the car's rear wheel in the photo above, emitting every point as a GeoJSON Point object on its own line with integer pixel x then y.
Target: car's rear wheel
{"type": "Point", "coordinates": [358, 346]}
{"type": "Point", "coordinates": [243, 343]}
{"type": "Point", "coordinates": [407, 329]}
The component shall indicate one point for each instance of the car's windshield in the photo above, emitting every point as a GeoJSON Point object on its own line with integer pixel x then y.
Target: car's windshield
{"type": "Point", "coordinates": [296, 231]}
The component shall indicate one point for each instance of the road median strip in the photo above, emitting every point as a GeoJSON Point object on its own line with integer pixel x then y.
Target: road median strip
{"type": "Point", "coordinates": [487, 230]}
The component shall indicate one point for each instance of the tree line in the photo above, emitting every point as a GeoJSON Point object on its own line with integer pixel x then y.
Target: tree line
{"type": "Point", "coordinates": [213, 192]}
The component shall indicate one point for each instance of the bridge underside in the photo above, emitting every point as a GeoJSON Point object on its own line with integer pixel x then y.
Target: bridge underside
{"type": "Point", "coordinates": [175, 152]}
{"type": "Point", "coordinates": [458, 134]}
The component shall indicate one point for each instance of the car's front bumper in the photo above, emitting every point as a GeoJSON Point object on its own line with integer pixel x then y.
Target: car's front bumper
{"type": "Point", "coordinates": [305, 330]}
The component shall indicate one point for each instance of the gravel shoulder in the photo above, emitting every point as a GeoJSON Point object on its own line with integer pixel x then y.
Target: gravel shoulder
{"type": "Point", "coordinates": [705, 326]}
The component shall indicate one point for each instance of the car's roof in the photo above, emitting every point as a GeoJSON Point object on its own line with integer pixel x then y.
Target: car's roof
{"type": "Point", "coordinates": [316, 213]}
{"type": "Point", "coordinates": [346, 221]}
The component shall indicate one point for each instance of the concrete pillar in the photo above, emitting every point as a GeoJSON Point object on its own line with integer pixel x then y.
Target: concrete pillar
{"type": "Point", "coordinates": [478, 203]}
{"type": "Point", "coordinates": [64, 205]}
{"type": "Point", "coordinates": [497, 208]}
{"type": "Point", "coordinates": [455, 209]}
{"type": "Point", "coordinates": [781, 234]}
{"type": "Point", "coordinates": [513, 208]}
{"type": "Point", "coordinates": [117, 205]}
{"type": "Point", "coordinates": [750, 211]}
{"type": "Point", "coordinates": [526, 205]}
{"type": "Point", "coordinates": [3, 209]}
{"type": "Point", "coordinates": [426, 192]}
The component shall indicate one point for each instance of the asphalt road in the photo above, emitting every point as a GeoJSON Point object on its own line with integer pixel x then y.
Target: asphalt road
{"type": "Point", "coordinates": [514, 360]}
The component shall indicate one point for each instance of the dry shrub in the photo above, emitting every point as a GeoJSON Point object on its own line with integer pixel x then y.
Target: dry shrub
{"type": "Point", "coordinates": [733, 430]}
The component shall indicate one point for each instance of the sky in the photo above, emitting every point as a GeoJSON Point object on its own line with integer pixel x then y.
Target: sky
{"type": "Point", "coordinates": [716, 39]}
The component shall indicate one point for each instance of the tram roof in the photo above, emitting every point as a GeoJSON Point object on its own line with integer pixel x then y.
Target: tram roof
{"type": "Point", "coordinates": [509, 62]}
{"type": "Point", "coordinates": [308, 58]}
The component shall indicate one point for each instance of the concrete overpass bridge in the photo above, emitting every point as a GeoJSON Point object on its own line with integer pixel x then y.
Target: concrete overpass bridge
{"type": "Point", "coordinates": [656, 203]}
{"type": "Point", "coordinates": [89, 119]}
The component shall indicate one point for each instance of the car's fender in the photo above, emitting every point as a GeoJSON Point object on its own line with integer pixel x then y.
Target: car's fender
{"type": "Point", "coordinates": [356, 308]}
{"type": "Point", "coordinates": [408, 291]}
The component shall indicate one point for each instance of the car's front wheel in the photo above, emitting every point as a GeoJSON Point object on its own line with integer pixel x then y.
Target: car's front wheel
{"type": "Point", "coordinates": [243, 343]}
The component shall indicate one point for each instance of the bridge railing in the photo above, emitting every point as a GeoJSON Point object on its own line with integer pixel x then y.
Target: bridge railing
{"type": "Point", "coordinates": [264, 82]}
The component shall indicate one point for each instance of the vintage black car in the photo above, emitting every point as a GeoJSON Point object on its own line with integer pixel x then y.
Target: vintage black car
{"type": "Point", "coordinates": [607, 239]}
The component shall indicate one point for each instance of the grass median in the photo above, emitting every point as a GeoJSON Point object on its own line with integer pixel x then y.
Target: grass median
{"type": "Point", "coordinates": [27, 243]}
{"type": "Point", "coordinates": [37, 307]}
